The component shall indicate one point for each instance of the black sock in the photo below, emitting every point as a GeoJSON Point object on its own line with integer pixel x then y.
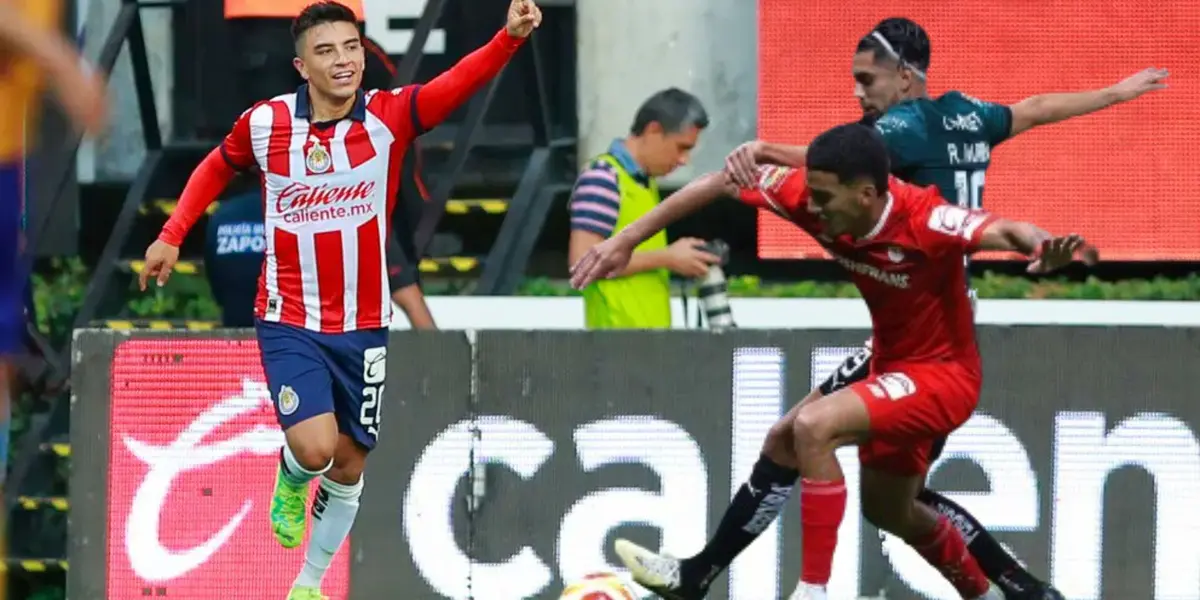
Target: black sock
{"type": "Point", "coordinates": [751, 511]}
{"type": "Point", "coordinates": [996, 562]}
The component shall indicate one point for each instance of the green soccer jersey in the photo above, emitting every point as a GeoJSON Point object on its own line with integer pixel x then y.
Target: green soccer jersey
{"type": "Point", "coordinates": [946, 142]}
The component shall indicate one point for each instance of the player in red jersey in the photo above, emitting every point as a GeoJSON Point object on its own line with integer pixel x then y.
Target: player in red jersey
{"type": "Point", "coordinates": [329, 157]}
{"type": "Point", "coordinates": [946, 141]}
{"type": "Point", "coordinates": [904, 247]}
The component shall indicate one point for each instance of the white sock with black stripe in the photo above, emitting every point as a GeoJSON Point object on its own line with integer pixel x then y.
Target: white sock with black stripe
{"type": "Point", "coordinates": [295, 473]}
{"type": "Point", "coordinates": [333, 513]}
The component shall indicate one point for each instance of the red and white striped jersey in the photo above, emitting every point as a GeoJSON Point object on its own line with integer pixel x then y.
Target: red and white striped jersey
{"type": "Point", "coordinates": [328, 193]}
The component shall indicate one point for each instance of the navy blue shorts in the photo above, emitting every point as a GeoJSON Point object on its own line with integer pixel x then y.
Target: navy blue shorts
{"type": "Point", "coordinates": [14, 272]}
{"type": "Point", "coordinates": [313, 373]}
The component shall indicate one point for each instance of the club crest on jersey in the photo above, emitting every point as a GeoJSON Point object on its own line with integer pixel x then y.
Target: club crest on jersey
{"type": "Point", "coordinates": [770, 177]}
{"type": "Point", "coordinates": [289, 401]}
{"type": "Point", "coordinates": [318, 160]}
{"type": "Point", "coordinates": [955, 221]}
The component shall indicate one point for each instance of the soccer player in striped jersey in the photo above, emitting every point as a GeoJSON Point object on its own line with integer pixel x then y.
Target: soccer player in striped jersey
{"type": "Point", "coordinates": [329, 157]}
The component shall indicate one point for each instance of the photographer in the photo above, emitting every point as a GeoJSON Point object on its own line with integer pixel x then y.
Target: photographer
{"type": "Point", "coordinates": [616, 189]}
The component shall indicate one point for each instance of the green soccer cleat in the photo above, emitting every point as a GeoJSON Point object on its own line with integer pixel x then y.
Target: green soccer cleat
{"type": "Point", "coordinates": [289, 515]}
{"type": "Point", "coordinates": [306, 593]}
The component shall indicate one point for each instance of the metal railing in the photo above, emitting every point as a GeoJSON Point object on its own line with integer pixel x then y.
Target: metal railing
{"type": "Point", "coordinates": [535, 191]}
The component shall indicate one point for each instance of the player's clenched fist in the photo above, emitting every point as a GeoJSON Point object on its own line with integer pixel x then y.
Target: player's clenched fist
{"type": "Point", "coordinates": [160, 260]}
{"type": "Point", "coordinates": [523, 17]}
{"type": "Point", "coordinates": [741, 166]}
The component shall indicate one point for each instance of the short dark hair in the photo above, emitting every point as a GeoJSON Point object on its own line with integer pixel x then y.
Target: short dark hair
{"type": "Point", "coordinates": [673, 109]}
{"type": "Point", "coordinates": [852, 152]}
{"type": "Point", "coordinates": [319, 13]}
{"type": "Point", "coordinates": [909, 44]}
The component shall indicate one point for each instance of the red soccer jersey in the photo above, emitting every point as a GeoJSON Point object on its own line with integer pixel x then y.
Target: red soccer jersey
{"type": "Point", "coordinates": [909, 269]}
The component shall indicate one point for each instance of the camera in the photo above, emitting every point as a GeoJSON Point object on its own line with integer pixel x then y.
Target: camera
{"type": "Point", "coordinates": [713, 292]}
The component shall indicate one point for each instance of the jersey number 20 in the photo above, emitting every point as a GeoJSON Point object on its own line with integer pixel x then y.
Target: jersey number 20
{"type": "Point", "coordinates": [969, 185]}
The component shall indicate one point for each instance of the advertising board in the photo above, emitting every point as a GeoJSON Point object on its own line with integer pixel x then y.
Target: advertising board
{"type": "Point", "coordinates": [509, 463]}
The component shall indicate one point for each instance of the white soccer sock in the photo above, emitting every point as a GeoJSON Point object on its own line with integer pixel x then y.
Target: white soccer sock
{"type": "Point", "coordinates": [333, 512]}
{"type": "Point", "coordinates": [295, 472]}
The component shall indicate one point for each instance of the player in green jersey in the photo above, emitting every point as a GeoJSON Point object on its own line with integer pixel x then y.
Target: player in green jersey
{"type": "Point", "coordinates": [945, 142]}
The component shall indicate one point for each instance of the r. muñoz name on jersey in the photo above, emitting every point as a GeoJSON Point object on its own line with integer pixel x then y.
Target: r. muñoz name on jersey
{"type": "Point", "coordinates": [945, 142]}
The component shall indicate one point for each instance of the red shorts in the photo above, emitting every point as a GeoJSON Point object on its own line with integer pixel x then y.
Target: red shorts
{"type": "Point", "coordinates": [912, 406]}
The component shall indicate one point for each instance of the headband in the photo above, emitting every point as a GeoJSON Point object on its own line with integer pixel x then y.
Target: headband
{"type": "Point", "coordinates": [896, 55]}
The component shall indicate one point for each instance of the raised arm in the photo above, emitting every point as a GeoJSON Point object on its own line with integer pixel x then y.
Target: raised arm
{"type": "Point", "coordinates": [448, 91]}
{"type": "Point", "coordinates": [965, 231]}
{"type": "Point", "coordinates": [1044, 109]}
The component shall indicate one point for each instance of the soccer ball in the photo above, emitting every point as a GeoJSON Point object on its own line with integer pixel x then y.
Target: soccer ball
{"type": "Point", "coordinates": [597, 586]}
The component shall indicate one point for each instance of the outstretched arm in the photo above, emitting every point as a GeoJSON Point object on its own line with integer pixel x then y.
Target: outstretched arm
{"type": "Point", "coordinates": [695, 195]}
{"type": "Point", "coordinates": [1003, 235]}
{"type": "Point", "coordinates": [1044, 109]}
{"type": "Point", "coordinates": [612, 257]}
{"type": "Point", "coordinates": [448, 91]}
{"type": "Point", "coordinates": [960, 230]}
{"type": "Point", "coordinates": [1048, 253]}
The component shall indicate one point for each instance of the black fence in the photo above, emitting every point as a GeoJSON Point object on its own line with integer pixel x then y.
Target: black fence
{"type": "Point", "coordinates": [508, 464]}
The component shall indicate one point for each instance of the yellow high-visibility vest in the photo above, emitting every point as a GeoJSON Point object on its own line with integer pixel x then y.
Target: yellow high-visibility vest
{"type": "Point", "coordinates": [641, 300]}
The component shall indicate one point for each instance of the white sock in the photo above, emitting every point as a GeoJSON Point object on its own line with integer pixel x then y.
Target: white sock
{"type": "Point", "coordinates": [295, 472]}
{"type": "Point", "coordinates": [333, 515]}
